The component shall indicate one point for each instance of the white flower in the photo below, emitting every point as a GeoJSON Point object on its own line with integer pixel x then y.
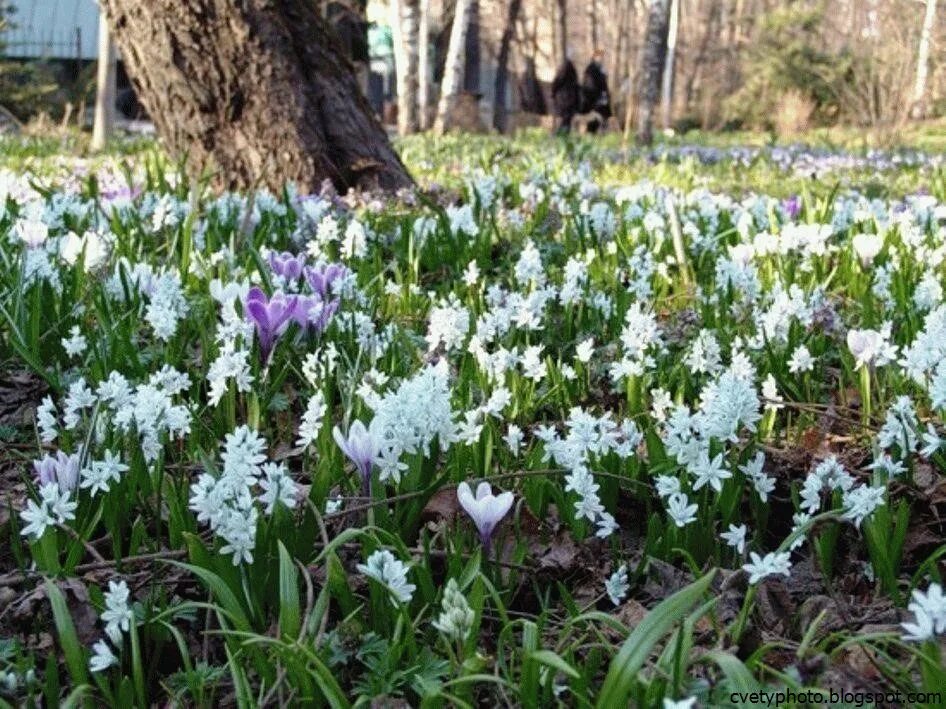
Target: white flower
{"type": "Point", "coordinates": [514, 438]}
{"type": "Point", "coordinates": [99, 476]}
{"type": "Point", "coordinates": [679, 704]}
{"type": "Point", "coordinates": [102, 657]}
{"type": "Point", "coordinates": [871, 347]}
{"type": "Point", "coordinates": [117, 615]}
{"type": "Point", "coordinates": [617, 586]}
{"type": "Point", "coordinates": [772, 563]}
{"type": "Point", "coordinates": [277, 487]}
{"type": "Point", "coordinates": [867, 246]}
{"type": "Point", "coordinates": [929, 612]}
{"type": "Point", "coordinates": [584, 350]}
{"type": "Point", "coordinates": [860, 502]}
{"type": "Point", "coordinates": [456, 618]}
{"type": "Point", "coordinates": [312, 418]}
{"type": "Point", "coordinates": [710, 472]}
{"type": "Point", "coordinates": [46, 420]}
{"type": "Point", "coordinates": [384, 568]}
{"type": "Point", "coordinates": [55, 507]}
{"type": "Point", "coordinates": [680, 510]}
{"type": "Point", "coordinates": [801, 360]}
{"type": "Point", "coordinates": [75, 345]}
{"type": "Point", "coordinates": [736, 537]}
{"type": "Point", "coordinates": [485, 509]}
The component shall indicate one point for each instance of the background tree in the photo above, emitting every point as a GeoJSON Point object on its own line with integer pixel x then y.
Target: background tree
{"type": "Point", "coordinates": [918, 110]}
{"type": "Point", "coordinates": [453, 65]}
{"type": "Point", "coordinates": [652, 66]}
{"type": "Point", "coordinates": [406, 35]}
{"type": "Point", "coordinates": [105, 87]}
{"type": "Point", "coordinates": [255, 91]}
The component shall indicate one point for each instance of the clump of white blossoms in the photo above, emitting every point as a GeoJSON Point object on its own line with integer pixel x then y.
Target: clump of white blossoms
{"type": "Point", "coordinates": [449, 325]}
{"type": "Point", "coordinates": [456, 617]}
{"type": "Point", "coordinates": [227, 503]}
{"type": "Point", "coordinates": [773, 563]}
{"type": "Point", "coordinates": [929, 614]}
{"type": "Point", "coordinates": [390, 572]}
{"type": "Point", "coordinates": [616, 586]}
{"type": "Point", "coordinates": [413, 416]}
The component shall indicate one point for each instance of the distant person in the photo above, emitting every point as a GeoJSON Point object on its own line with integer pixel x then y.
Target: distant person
{"type": "Point", "coordinates": [566, 96]}
{"type": "Point", "coordinates": [594, 92]}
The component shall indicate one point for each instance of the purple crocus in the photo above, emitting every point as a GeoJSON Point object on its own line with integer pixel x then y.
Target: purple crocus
{"type": "Point", "coordinates": [362, 446]}
{"type": "Point", "coordinates": [270, 316]}
{"type": "Point", "coordinates": [322, 278]}
{"type": "Point", "coordinates": [286, 265]}
{"type": "Point", "coordinates": [792, 207]}
{"type": "Point", "coordinates": [313, 312]}
{"type": "Point", "coordinates": [62, 470]}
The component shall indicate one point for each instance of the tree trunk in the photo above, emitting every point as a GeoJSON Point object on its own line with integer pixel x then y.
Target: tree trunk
{"type": "Point", "coordinates": [652, 66]}
{"type": "Point", "coordinates": [452, 82]}
{"type": "Point", "coordinates": [561, 18]}
{"type": "Point", "coordinates": [502, 66]}
{"type": "Point", "coordinates": [423, 67]}
{"type": "Point", "coordinates": [918, 110]}
{"type": "Point", "coordinates": [257, 92]}
{"type": "Point", "coordinates": [104, 87]}
{"type": "Point", "coordinates": [666, 90]}
{"type": "Point", "coordinates": [404, 19]}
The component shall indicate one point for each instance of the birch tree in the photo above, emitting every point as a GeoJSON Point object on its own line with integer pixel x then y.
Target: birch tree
{"type": "Point", "coordinates": [453, 66]}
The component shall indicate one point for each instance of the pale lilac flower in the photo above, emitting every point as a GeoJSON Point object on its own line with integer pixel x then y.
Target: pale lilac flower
{"type": "Point", "coordinates": [286, 264]}
{"type": "Point", "coordinates": [485, 509]}
{"type": "Point", "coordinates": [62, 470]}
{"type": "Point", "coordinates": [362, 446]}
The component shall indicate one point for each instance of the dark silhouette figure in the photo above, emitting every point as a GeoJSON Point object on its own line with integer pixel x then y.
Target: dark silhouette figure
{"type": "Point", "coordinates": [566, 96]}
{"type": "Point", "coordinates": [594, 92]}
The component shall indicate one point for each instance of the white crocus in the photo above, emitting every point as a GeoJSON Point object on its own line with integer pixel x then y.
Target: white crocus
{"type": "Point", "coordinates": [485, 509]}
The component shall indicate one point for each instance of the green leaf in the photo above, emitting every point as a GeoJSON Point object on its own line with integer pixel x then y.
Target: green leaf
{"type": "Point", "coordinates": [555, 661]}
{"type": "Point", "coordinates": [68, 640]}
{"type": "Point", "coordinates": [289, 612]}
{"type": "Point", "coordinates": [636, 649]}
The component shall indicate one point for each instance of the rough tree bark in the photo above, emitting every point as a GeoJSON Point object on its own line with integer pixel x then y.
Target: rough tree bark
{"type": "Point", "coordinates": [502, 66]}
{"type": "Point", "coordinates": [257, 92]}
{"type": "Point", "coordinates": [105, 87]}
{"type": "Point", "coordinates": [652, 65]}
{"type": "Point", "coordinates": [453, 65]}
{"type": "Point", "coordinates": [918, 109]}
{"type": "Point", "coordinates": [404, 23]}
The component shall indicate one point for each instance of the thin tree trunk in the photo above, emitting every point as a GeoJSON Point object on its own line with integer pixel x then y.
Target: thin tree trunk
{"type": "Point", "coordinates": [404, 31]}
{"type": "Point", "coordinates": [254, 91]}
{"type": "Point", "coordinates": [105, 89]}
{"type": "Point", "coordinates": [666, 89]}
{"type": "Point", "coordinates": [652, 65]}
{"type": "Point", "coordinates": [918, 110]}
{"type": "Point", "coordinates": [452, 82]}
{"type": "Point", "coordinates": [423, 66]}
{"type": "Point", "coordinates": [502, 66]}
{"type": "Point", "coordinates": [561, 18]}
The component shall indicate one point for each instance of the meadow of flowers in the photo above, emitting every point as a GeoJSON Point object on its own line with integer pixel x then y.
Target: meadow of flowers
{"type": "Point", "coordinates": [530, 437]}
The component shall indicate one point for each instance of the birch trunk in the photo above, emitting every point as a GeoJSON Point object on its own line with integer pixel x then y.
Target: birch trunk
{"type": "Point", "coordinates": [453, 66]}
{"type": "Point", "coordinates": [404, 30]}
{"type": "Point", "coordinates": [918, 110]}
{"type": "Point", "coordinates": [105, 88]}
{"type": "Point", "coordinates": [652, 65]}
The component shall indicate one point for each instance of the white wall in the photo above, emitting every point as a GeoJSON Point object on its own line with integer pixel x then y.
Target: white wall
{"type": "Point", "coordinates": [55, 29]}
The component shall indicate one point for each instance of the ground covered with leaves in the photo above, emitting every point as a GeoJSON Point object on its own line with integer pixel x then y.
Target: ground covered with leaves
{"type": "Point", "coordinates": [571, 424]}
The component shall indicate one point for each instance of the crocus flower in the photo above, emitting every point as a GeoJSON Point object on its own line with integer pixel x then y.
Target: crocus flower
{"type": "Point", "coordinates": [486, 509]}
{"type": "Point", "coordinates": [792, 207]}
{"type": "Point", "coordinates": [322, 278]}
{"type": "Point", "coordinates": [871, 347]}
{"type": "Point", "coordinates": [286, 264]}
{"type": "Point", "coordinates": [62, 470]}
{"type": "Point", "coordinates": [312, 311]}
{"type": "Point", "coordinates": [270, 316]}
{"type": "Point", "coordinates": [361, 446]}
